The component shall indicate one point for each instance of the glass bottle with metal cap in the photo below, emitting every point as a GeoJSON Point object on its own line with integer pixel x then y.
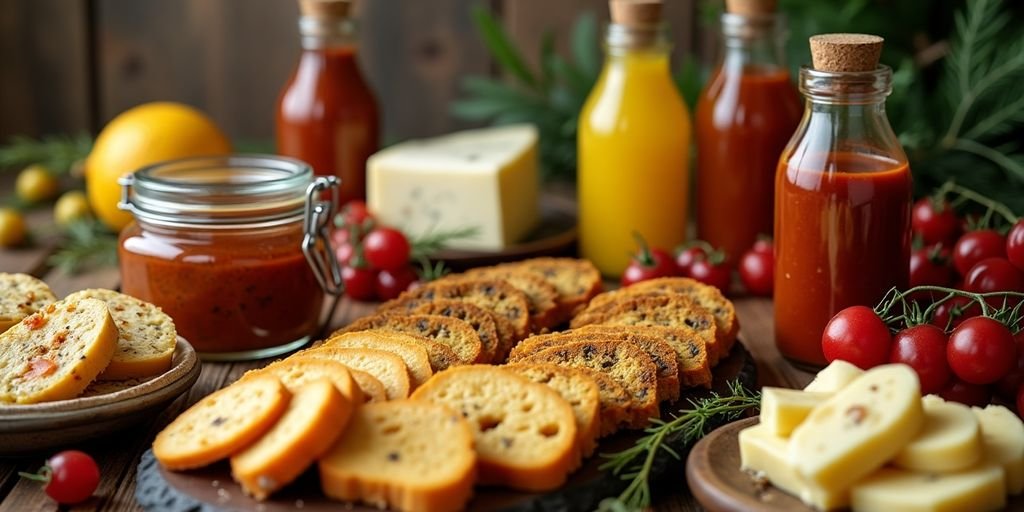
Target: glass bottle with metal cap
{"type": "Point", "coordinates": [234, 249]}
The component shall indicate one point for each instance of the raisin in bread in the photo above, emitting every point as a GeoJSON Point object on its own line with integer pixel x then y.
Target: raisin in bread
{"type": "Point", "coordinates": [386, 367]}
{"type": "Point", "coordinates": [499, 297]}
{"type": "Point", "coordinates": [688, 346]}
{"type": "Point", "coordinates": [296, 372]}
{"type": "Point", "coordinates": [576, 281]}
{"type": "Point", "coordinates": [577, 388]}
{"type": "Point", "coordinates": [412, 350]}
{"type": "Point", "coordinates": [542, 295]}
{"type": "Point", "coordinates": [525, 432]}
{"type": "Point", "coordinates": [54, 353]}
{"type": "Point", "coordinates": [146, 335]}
{"type": "Point", "coordinates": [456, 334]}
{"type": "Point", "coordinates": [404, 455]}
{"type": "Point", "coordinates": [481, 320]}
{"type": "Point", "coordinates": [20, 296]}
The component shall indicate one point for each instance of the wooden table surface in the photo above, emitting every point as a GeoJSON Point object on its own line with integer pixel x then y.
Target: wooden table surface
{"type": "Point", "coordinates": [119, 454]}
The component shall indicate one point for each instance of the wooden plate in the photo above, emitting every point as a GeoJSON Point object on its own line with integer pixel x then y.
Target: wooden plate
{"type": "Point", "coordinates": [105, 408]}
{"type": "Point", "coordinates": [211, 489]}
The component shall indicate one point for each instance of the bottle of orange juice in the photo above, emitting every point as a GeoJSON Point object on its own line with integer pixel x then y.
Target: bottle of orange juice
{"type": "Point", "coordinates": [633, 143]}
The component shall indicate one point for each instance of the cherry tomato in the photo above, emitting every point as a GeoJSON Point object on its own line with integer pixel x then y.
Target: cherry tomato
{"type": "Point", "coordinates": [757, 270]}
{"type": "Point", "coordinates": [763, 245]}
{"type": "Point", "coordinates": [360, 282]}
{"type": "Point", "coordinates": [391, 283]}
{"type": "Point", "coordinates": [923, 348]}
{"type": "Point", "coordinates": [1015, 244]}
{"type": "Point", "coordinates": [344, 253]}
{"type": "Point", "coordinates": [648, 263]}
{"type": "Point", "coordinates": [935, 221]}
{"type": "Point", "coordinates": [976, 246]}
{"type": "Point", "coordinates": [930, 266]}
{"type": "Point", "coordinates": [981, 351]}
{"type": "Point", "coordinates": [994, 275]}
{"type": "Point", "coordinates": [708, 272]}
{"type": "Point", "coordinates": [1020, 400]}
{"type": "Point", "coordinates": [973, 395]}
{"type": "Point", "coordinates": [386, 248]}
{"type": "Point", "coordinates": [953, 312]}
{"type": "Point", "coordinates": [1007, 386]}
{"type": "Point", "coordinates": [340, 236]}
{"type": "Point", "coordinates": [73, 478]}
{"type": "Point", "coordinates": [858, 336]}
{"type": "Point", "coordinates": [686, 257]}
{"type": "Point", "coordinates": [355, 213]}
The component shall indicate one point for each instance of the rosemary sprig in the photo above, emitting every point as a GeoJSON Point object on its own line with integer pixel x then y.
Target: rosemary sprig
{"type": "Point", "coordinates": [635, 463]}
{"type": "Point", "coordinates": [434, 241]}
{"type": "Point", "coordinates": [61, 154]}
{"type": "Point", "coordinates": [88, 244]}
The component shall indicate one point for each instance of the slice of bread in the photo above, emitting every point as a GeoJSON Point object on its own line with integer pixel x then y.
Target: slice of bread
{"type": "Point", "coordinates": [412, 349]}
{"type": "Point", "coordinates": [296, 372]}
{"type": "Point", "coordinates": [480, 319]}
{"type": "Point", "coordinates": [372, 388]}
{"type": "Point", "coordinates": [493, 295]}
{"type": "Point", "coordinates": [146, 335]}
{"type": "Point", "coordinates": [614, 399]}
{"type": "Point", "coordinates": [577, 388]}
{"type": "Point", "coordinates": [388, 368]}
{"type": "Point", "coordinates": [316, 416]}
{"type": "Point", "coordinates": [452, 332]}
{"type": "Point", "coordinates": [630, 366]}
{"type": "Point", "coordinates": [404, 455]}
{"type": "Point", "coordinates": [688, 345]}
{"type": "Point", "coordinates": [222, 424]}
{"type": "Point", "coordinates": [661, 354]}
{"type": "Point", "coordinates": [576, 280]}
{"type": "Point", "coordinates": [20, 296]}
{"type": "Point", "coordinates": [525, 432]}
{"type": "Point", "coordinates": [542, 295]}
{"type": "Point", "coordinates": [54, 353]}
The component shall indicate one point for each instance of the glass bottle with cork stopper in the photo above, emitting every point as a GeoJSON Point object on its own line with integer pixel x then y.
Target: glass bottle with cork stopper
{"type": "Point", "coordinates": [842, 196]}
{"type": "Point", "coordinates": [633, 143]}
{"type": "Point", "coordinates": [745, 116]}
{"type": "Point", "coordinates": [326, 114]}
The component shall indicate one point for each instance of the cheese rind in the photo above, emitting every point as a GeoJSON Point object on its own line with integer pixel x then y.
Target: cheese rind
{"type": "Point", "coordinates": [834, 377]}
{"type": "Point", "coordinates": [860, 428]}
{"type": "Point", "coordinates": [484, 179]}
{"type": "Point", "coordinates": [978, 489]}
{"type": "Point", "coordinates": [1002, 435]}
{"type": "Point", "coordinates": [950, 439]}
{"type": "Point", "coordinates": [763, 451]}
{"type": "Point", "coordinates": [782, 410]}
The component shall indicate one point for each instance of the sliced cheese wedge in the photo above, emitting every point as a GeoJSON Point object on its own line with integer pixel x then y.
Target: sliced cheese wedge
{"type": "Point", "coordinates": [979, 489]}
{"type": "Point", "coordinates": [1002, 435]}
{"type": "Point", "coordinates": [763, 451]}
{"type": "Point", "coordinates": [950, 439]}
{"type": "Point", "coordinates": [783, 409]}
{"type": "Point", "coordinates": [860, 428]}
{"type": "Point", "coordinates": [834, 377]}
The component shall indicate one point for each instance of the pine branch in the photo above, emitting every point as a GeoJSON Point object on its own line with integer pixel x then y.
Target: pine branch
{"type": "Point", "coordinates": [89, 244]}
{"type": "Point", "coordinates": [59, 153]}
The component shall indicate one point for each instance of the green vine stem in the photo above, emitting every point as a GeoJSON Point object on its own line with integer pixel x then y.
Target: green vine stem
{"type": "Point", "coordinates": [965, 194]}
{"type": "Point", "coordinates": [894, 297]}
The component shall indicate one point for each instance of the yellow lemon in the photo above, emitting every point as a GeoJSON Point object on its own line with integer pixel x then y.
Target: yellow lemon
{"type": "Point", "coordinates": [36, 183]}
{"type": "Point", "coordinates": [70, 207]}
{"type": "Point", "coordinates": [140, 136]}
{"type": "Point", "coordinates": [12, 228]}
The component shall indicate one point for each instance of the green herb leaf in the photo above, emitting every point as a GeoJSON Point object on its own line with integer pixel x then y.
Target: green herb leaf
{"type": "Point", "coordinates": [58, 153]}
{"type": "Point", "coordinates": [432, 242]}
{"type": "Point", "coordinates": [501, 46]}
{"type": "Point", "coordinates": [585, 45]}
{"type": "Point", "coordinates": [89, 244]}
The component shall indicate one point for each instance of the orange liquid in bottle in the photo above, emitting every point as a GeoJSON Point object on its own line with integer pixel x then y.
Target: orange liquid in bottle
{"type": "Point", "coordinates": [327, 117]}
{"type": "Point", "coordinates": [744, 119]}
{"type": "Point", "coordinates": [843, 240]}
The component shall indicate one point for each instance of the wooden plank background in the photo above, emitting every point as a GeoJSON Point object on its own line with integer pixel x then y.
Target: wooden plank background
{"type": "Point", "coordinates": [71, 65]}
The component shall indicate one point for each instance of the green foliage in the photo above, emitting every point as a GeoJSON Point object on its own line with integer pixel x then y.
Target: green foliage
{"type": "Point", "coordinates": [61, 154]}
{"type": "Point", "coordinates": [89, 244]}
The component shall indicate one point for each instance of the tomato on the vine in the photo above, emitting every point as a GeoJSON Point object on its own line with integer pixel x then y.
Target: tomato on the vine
{"type": "Point", "coordinates": [1015, 244]}
{"type": "Point", "coordinates": [975, 246]}
{"type": "Point", "coordinates": [386, 248]}
{"type": "Point", "coordinates": [994, 275]}
{"type": "Point", "coordinates": [391, 283]}
{"type": "Point", "coordinates": [930, 266]}
{"type": "Point", "coordinates": [360, 282]}
{"type": "Point", "coordinates": [966, 393]}
{"type": "Point", "coordinates": [923, 348]}
{"type": "Point", "coordinates": [934, 220]}
{"type": "Point", "coordinates": [711, 272]}
{"type": "Point", "coordinates": [648, 263]}
{"type": "Point", "coordinates": [355, 213]}
{"type": "Point", "coordinates": [954, 311]}
{"type": "Point", "coordinates": [344, 253]}
{"type": "Point", "coordinates": [70, 477]}
{"type": "Point", "coordinates": [686, 256]}
{"type": "Point", "coordinates": [981, 350]}
{"type": "Point", "coordinates": [757, 269]}
{"type": "Point", "coordinates": [858, 336]}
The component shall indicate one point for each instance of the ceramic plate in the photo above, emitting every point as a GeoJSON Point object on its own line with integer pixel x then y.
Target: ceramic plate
{"type": "Point", "coordinates": [105, 407]}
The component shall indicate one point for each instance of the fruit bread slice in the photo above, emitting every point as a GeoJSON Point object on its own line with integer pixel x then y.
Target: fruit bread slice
{"type": "Point", "coordinates": [388, 368]}
{"type": "Point", "coordinates": [493, 295]}
{"type": "Point", "coordinates": [543, 296]}
{"type": "Point", "coordinates": [577, 388]}
{"type": "Point", "coordinates": [316, 416]}
{"type": "Point", "coordinates": [456, 334]}
{"type": "Point", "coordinates": [688, 345]}
{"type": "Point", "coordinates": [20, 296]}
{"type": "Point", "coordinates": [296, 372]}
{"type": "Point", "coordinates": [577, 281]}
{"type": "Point", "coordinates": [615, 401]}
{"type": "Point", "coordinates": [222, 423]}
{"type": "Point", "coordinates": [412, 350]}
{"type": "Point", "coordinates": [525, 432]}
{"type": "Point", "coordinates": [481, 320]}
{"type": "Point", "coordinates": [146, 335]}
{"type": "Point", "coordinates": [372, 388]}
{"type": "Point", "coordinates": [54, 353]}
{"type": "Point", "coordinates": [660, 311]}
{"type": "Point", "coordinates": [405, 455]}
{"type": "Point", "coordinates": [630, 366]}
{"type": "Point", "coordinates": [661, 354]}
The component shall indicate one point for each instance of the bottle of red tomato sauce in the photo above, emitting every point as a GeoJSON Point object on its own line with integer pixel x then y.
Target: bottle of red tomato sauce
{"type": "Point", "coordinates": [842, 196]}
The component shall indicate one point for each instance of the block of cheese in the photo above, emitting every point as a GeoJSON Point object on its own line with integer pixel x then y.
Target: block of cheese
{"type": "Point", "coordinates": [1002, 435]}
{"type": "Point", "coordinates": [783, 409]}
{"type": "Point", "coordinates": [860, 428]}
{"type": "Point", "coordinates": [950, 439]}
{"type": "Point", "coordinates": [834, 377]}
{"type": "Point", "coordinates": [764, 452]}
{"type": "Point", "coordinates": [484, 179]}
{"type": "Point", "coordinates": [978, 489]}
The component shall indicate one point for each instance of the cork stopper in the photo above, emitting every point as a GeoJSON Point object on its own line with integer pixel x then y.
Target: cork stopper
{"type": "Point", "coordinates": [325, 8]}
{"type": "Point", "coordinates": [636, 13]}
{"type": "Point", "coordinates": [845, 52]}
{"type": "Point", "coordinates": [750, 7]}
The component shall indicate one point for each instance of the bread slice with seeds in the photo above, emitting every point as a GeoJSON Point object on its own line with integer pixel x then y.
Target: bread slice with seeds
{"type": "Point", "coordinates": [630, 366]}
{"type": "Point", "coordinates": [20, 296]}
{"type": "Point", "coordinates": [525, 432]}
{"type": "Point", "coordinates": [414, 350]}
{"type": "Point", "coordinates": [316, 416]}
{"type": "Point", "coordinates": [54, 353]}
{"type": "Point", "coordinates": [575, 280]}
{"type": "Point", "coordinates": [296, 372]}
{"type": "Point", "coordinates": [385, 366]}
{"type": "Point", "coordinates": [542, 295]}
{"type": "Point", "coordinates": [407, 455]}
{"type": "Point", "coordinates": [372, 388]}
{"type": "Point", "coordinates": [481, 320]}
{"type": "Point", "coordinates": [146, 335]}
{"type": "Point", "coordinates": [493, 295]}
{"type": "Point", "coordinates": [688, 345]}
{"type": "Point", "coordinates": [577, 388]}
{"type": "Point", "coordinates": [222, 424]}
{"type": "Point", "coordinates": [452, 332]}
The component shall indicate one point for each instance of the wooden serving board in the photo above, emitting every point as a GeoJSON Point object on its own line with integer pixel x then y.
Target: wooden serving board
{"type": "Point", "coordinates": [211, 489]}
